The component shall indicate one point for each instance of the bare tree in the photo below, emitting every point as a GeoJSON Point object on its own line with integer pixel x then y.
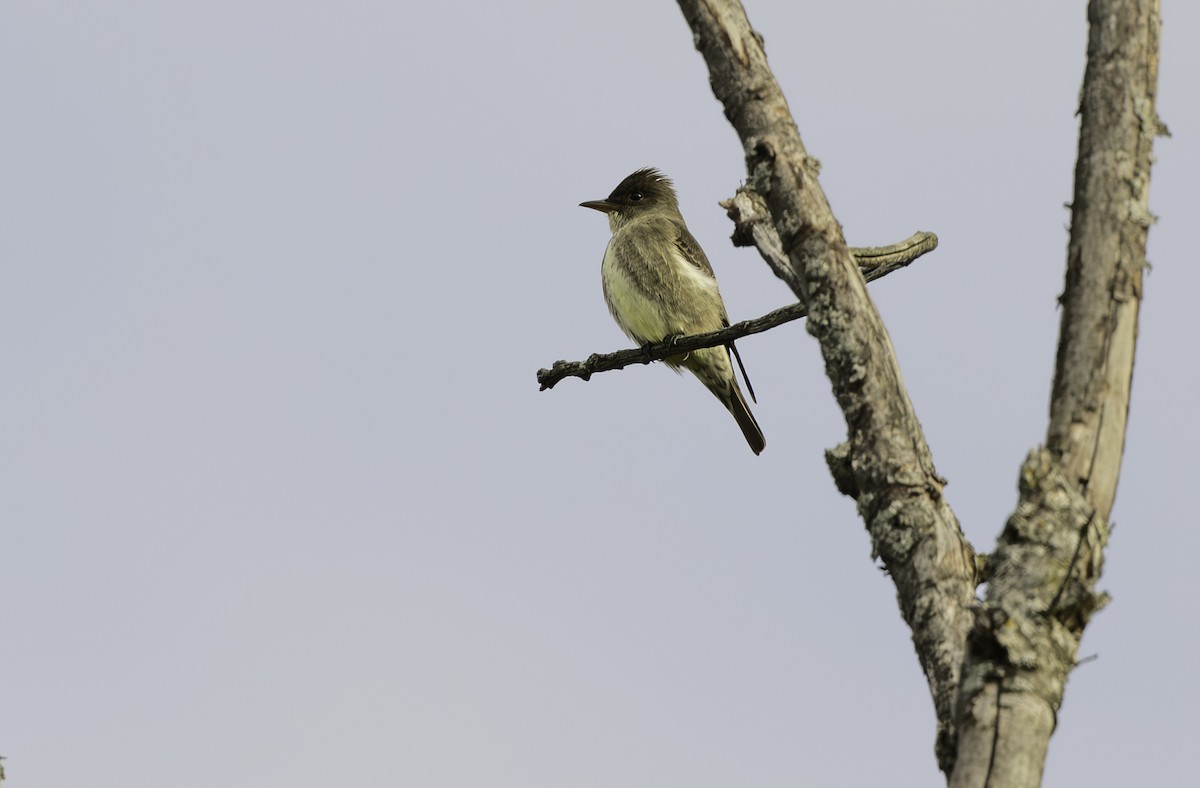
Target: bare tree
{"type": "Point", "coordinates": [996, 665]}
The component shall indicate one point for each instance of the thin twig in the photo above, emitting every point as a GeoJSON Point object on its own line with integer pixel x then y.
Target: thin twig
{"type": "Point", "coordinates": [873, 261]}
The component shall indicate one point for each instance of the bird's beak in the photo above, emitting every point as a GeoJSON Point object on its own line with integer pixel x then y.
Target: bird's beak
{"type": "Point", "coordinates": [604, 206]}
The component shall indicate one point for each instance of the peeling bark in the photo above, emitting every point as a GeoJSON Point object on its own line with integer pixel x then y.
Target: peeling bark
{"type": "Point", "coordinates": [1042, 589]}
{"type": "Point", "coordinates": [997, 668]}
{"type": "Point", "coordinates": [885, 464]}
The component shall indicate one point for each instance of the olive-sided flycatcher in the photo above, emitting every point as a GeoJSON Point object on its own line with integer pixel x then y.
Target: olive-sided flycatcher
{"type": "Point", "coordinates": [659, 284]}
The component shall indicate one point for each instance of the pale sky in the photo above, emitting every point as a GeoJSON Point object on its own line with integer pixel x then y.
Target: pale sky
{"type": "Point", "coordinates": [281, 502]}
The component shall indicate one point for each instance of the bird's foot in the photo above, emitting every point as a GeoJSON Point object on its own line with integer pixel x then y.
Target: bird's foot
{"type": "Point", "coordinates": [673, 339]}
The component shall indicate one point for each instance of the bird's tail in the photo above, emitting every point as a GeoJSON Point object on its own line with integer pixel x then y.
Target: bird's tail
{"type": "Point", "coordinates": [733, 399]}
{"type": "Point", "coordinates": [712, 367]}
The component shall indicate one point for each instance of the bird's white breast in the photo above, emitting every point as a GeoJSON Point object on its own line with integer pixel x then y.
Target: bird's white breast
{"type": "Point", "coordinates": [638, 315]}
{"type": "Point", "coordinates": [688, 301]}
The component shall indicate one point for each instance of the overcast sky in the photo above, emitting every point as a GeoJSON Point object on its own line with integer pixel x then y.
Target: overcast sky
{"type": "Point", "coordinates": [281, 503]}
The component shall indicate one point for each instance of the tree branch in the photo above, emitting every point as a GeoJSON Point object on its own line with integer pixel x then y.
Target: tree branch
{"type": "Point", "coordinates": [1049, 558]}
{"type": "Point", "coordinates": [875, 262]}
{"type": "Point", "coordinates": [886, 463]}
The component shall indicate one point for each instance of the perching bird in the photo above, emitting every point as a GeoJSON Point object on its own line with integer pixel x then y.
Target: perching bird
{"type": "Point", "coordinates": [659, 284]}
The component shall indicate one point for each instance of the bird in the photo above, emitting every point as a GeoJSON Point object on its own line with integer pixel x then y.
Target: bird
{"type": "Point", "coordinates": [658, 284]}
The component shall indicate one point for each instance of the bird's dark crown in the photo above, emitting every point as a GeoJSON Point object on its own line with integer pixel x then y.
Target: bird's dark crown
{"type": "Point", "coordinates": [644, 188]}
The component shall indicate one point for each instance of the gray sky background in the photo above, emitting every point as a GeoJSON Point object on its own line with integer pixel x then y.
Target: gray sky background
{"type": "Point", "coordinates": [281, 503]}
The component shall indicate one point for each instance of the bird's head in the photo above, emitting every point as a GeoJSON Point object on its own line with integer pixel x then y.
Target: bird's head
{"type": "Point", "coordinates": [642, 192]}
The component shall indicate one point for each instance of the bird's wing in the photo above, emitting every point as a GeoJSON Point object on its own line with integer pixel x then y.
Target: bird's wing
{"type": "Point", "coordinates": [689, 247]}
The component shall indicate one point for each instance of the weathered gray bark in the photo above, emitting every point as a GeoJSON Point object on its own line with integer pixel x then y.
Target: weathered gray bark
{"type": "Point", "coordinates": [996, 669]}
{"type": "Point", "coordinates": [886, 464]}
{"type": "Point", "coordinates": [1043, 573]}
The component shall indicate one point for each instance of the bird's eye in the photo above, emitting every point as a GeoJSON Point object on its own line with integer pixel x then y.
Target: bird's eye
{"type": "Point", "coordinates": [635, 196]}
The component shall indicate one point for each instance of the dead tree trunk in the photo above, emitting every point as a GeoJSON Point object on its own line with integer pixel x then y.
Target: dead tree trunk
{"type": "Point", "coordinates": [1043, 573]}
{"type": "Point", "coordinates": [996, 668]}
